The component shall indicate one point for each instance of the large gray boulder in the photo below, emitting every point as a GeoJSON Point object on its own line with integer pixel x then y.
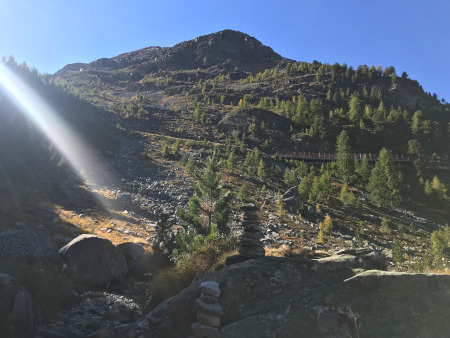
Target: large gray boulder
{"type": "Point", "coordinates": [16, 309]}
{"type": "Point", "coordinates": [133, 253]}
{"type": "Point", "coordinates": [94, 260]}
{"type": "Point", "coordinates": [292, 201]}
{"type": "Point", "coordinates": [287, 297]}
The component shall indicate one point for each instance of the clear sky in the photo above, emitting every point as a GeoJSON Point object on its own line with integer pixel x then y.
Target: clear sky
{"type": "Point", "coordinates": [411, 35]}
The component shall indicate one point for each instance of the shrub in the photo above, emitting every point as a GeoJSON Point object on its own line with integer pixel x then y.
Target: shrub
{"type": "Point", "coordinates": [194, 257]}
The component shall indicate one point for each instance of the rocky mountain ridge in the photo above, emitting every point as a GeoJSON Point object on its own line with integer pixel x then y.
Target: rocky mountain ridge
{"type": "Point", "coordinates": [225, 50]}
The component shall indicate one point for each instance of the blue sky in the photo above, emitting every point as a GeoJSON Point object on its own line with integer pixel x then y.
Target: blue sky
{"type": "Point", "coordinates": [412, 36]}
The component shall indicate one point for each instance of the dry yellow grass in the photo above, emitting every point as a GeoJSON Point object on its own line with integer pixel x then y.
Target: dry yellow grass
{"type": "Point", "coordinates": [93, 222]}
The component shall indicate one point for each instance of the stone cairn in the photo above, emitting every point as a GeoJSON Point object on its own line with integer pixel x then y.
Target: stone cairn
{"type": "Point", "coordinates": [208, 311]}
{"type": "Point", "coordinates": [250, 245]}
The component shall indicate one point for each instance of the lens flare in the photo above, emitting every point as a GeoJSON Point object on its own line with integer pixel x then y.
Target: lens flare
{"type": "Point", "coordinates": [79, 156]}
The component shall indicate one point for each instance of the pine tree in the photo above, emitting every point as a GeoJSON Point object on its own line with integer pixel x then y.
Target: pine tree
{"type": "Point", "coordinates": [280, 206]}
{"type": "Point", "coordinates": [428, 188]}
{"type": "Point", "coordinates": [344, 160]}
{"type": "Point", "coordinates": [243, 192]}
{"type": "Point", "coordinates": [398, 254]}
{"type": "Point", "coordinates": [385, 229]}
{"type": "Point", "coordinates": [209, 205]}
{"type": "Point", "coordinates": [364, 170]}
{"type": "Point", "coordinates": [190, 166]}
{"type": "Point", "coordinates": [384, 182]}
{"type": "Point", "coordinates": [231, 162]}
{"type": "Point", "coordinates": [304, 187]}
{"type": "Point", "coordinates": [262, 171]}
{"type": "Point", "coordinates": [346, 196]}
{"type": "Point", "coordinates": [356, 112]}
{"type": "Point", "coordinates": [415, 149]}
{"type": "Point", "coordinates": [165, 150]}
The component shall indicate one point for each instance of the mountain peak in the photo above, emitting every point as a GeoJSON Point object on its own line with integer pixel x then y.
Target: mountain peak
{"type": "Point", "coordinates": [225, 49]}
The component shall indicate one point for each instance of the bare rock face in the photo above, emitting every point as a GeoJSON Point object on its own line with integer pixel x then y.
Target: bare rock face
{"type": "Point", "coordinates": [94, 260]}
{"type": "Point", "coordinates": [287, 297]}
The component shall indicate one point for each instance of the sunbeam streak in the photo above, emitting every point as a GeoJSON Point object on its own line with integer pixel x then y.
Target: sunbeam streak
{"type": "Point", "coordinates": [75, 151]}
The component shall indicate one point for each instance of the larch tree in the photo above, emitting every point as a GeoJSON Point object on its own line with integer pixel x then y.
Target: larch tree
{"type": "Point", "coordinates": [384, 182]}
{"type": "Point", "coordinates": [344, 162]}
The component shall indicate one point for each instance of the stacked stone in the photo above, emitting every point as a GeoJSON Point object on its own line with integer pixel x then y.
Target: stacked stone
{"type": "Point", "coordinates": [250, 245]}
{"type": "Point", "coordinates": [208, 311]}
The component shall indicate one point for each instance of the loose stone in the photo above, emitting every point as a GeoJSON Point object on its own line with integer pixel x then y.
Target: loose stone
{"type": "Point", "coordinates": [208, 299]}
{"type": "Point", "coordinates": [249, 207]}
{"type": "Point", "coordinates": [209, 308]}
{"type": "Point", "coordinates": [210, 288]}
{"type": "Point", "coordinates": [207, 319]}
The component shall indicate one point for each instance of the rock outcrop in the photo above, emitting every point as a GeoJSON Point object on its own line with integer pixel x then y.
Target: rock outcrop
{"type": "Point", "coordinates": [16, 309]}
{"type": "Point", "coordinates": [287, 297]}
{"type": "Point", "coordinates": [291, 201]}
{"type": "Point", "coordinates": [94, 260]}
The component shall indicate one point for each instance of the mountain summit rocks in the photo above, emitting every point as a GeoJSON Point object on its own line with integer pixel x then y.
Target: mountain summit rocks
{"type": "Point", "coordinates": [226, 49]}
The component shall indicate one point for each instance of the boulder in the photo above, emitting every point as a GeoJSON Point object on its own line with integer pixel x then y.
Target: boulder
{"type": "Point", "coordinates": [291, 297]}
{"type": "Point", "coordinates": [94, 260]}
{"type": "Point", "coordinates": [133, 253]}
{"type": "Point", "coordinates": [291, 201]}
{"type": "Point", "coordinates": [16, 309]}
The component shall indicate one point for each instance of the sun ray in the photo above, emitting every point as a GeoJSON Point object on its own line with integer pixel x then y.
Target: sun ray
{"type": "Point", "coordinates": [76, 152]}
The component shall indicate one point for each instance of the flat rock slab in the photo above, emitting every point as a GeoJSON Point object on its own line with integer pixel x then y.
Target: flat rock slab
{"type": "Point", "coordinates": [210, 288]}
{"type": "Point", "coordinates": [249, 207]}
{"type": "Point", "coordinates": [288, 297]}
{"type": "Point", "coordinates": [210, 308]}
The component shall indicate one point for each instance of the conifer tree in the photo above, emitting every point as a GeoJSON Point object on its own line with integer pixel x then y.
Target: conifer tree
{"type": "Point", "coordinates": [385, 229]}
{"type": "Point", "coordinates": [384, 182]}
{"type": "Point", "coordinates": [243, 193]}
{"type": "Point", "coordinates": [209, 205]}
{"type": "Point", "coordinates": [364, 170]}
{"type": "Point", "coordinates": [262, 171]}
{"type": "Point", "coordinates": [280, 206]}
{"type": "Point", "coordinates": [231, 162]}
{"type": "Point", "coordinates": [344, 161]}
{"type": "Point", "coordinates": [428, 188]}
{"type": "Point", "coordinates": [416, 150]}
{"type": "Point", "coordinates": [328, 224]}
{"type": "Point", "coordinates": [346, 196]}
{"type": "Point", "coordinates": [356, 112]}
{"type": "Point", "coordinates": [190, 166]}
